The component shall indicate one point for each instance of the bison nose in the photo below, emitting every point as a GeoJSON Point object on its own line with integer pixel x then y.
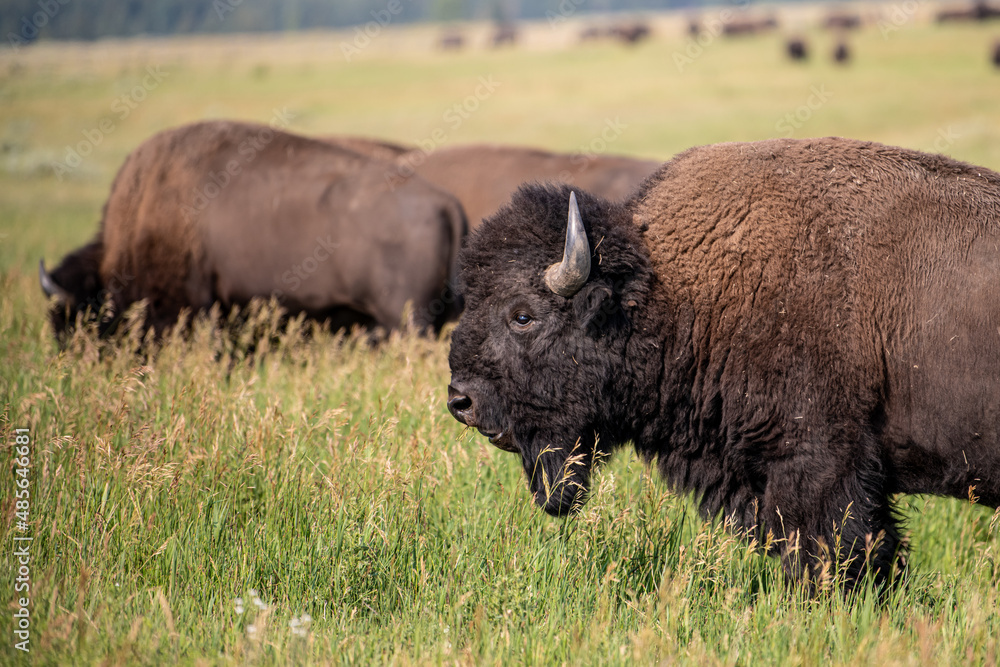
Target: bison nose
{"type": "Point", "coordinates": [461, 407]}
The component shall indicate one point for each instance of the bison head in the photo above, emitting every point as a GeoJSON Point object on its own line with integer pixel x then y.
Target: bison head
{"type": "Point", "coordinates": [540, 359]}
{"type": "Point", "coordinates": [76, 289]}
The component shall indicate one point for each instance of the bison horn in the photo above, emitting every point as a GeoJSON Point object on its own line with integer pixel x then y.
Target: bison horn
{"type": "Point", "coordinates": [49, 285]}
{"type": "Point", "coordinates": [565, 278]}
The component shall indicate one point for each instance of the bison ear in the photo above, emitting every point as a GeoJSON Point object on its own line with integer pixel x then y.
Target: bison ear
{"type": "Point", "coordinates": [593, 305]}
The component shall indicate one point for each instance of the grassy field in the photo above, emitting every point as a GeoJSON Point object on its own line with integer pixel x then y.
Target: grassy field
{"type": "Point", "coordinates": [316, 503]}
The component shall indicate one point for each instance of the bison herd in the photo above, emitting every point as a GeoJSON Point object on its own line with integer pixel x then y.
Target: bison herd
{"type": "Point", "coordinates": [343, 229]}
{"type": "Point", "coordinates": [746, 22]}
{"type": "Point", "coordinates": [793, 330]}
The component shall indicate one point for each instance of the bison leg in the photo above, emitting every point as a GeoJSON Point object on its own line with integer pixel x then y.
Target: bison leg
{"type": "Point", "coordinates": [830, 526]}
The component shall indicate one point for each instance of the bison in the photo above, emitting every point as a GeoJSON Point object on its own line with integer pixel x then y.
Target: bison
{"type": "Point", "coordinates": [631, 33]}
{"type": "Point", "coordinates": [483, 176]}
{"type": "Point", "coordinates": [628, 33]}
{"type": "Point", "coordinates": [841, 53]}
{"type": "Point", "coordinates": [841, 20]}
{"type": "Point", "coordinates": [451, 41]}
{"type": "Point", "coordinates": [795, 330]}
{"type": "Point", "coordinates": [746, 24]}
{"type": "Point", "coordinates": [977, 11]}
{"type": "Point", "coordinates": [222, 212]}
{"type": "Point", "coordinates": [797, 49]}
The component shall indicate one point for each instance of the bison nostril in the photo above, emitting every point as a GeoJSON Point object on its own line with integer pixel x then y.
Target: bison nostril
{"type": "Point", "coordinates": [459, 405]}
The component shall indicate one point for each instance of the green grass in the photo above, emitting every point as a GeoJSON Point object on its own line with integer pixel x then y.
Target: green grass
{"type": "Point", "coordinates": [329, 478]}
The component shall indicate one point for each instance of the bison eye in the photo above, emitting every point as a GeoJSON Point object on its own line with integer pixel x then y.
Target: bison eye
{"type": "Point", "coordinates": [522, 320]}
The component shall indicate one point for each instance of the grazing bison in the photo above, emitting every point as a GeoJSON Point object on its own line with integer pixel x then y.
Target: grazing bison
{"type": "Point", "coordinates": [793, 329]}
{"type": "Point", "coordinates": [841, 20]}
{"type": "Point", "coordinates": [841, 53]}
{"type": "Point", "coordinates": [222, 212]}
{"type": "Point", "coordinates": [483, 177]}
{"type": "Point", "coordinates": [451, 41]}
{"type": "Point", "coordinates": [797, 49]}
{"type": "Point", "coordinates": [629, 33]}
{"type": "Point", "coordinates": [745, 24]}
{"type": "Point", "coordinates": [977, 11]}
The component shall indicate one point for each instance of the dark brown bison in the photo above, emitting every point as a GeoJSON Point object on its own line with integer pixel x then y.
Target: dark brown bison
{"type": "Point", "coordinates": [797, 49]}
{"type": "Point", "coordinates": [451, 41]}
{"type": "Point", "coordinates": [995, 56]}
{"type": "Point", "coordinates": [841, 53]}
{"type": "Point", "coordinates": [977, 11]}
{"type": "Point", "coordinates": [483, 176]}
{"type": "Point", "coordinates": [222, 212]}
{"type": "Point", "coordinates": [744, 24]}
{"type": "Point", "coordinates": [841, 20]}
{"type": "Point", "coordinates": [629, 33]}
{"type": "Point", "coordinates": [794, 330]}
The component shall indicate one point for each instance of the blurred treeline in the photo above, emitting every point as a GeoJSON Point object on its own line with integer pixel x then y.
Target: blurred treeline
{"type": "Point", "coordinates": [25, 20]}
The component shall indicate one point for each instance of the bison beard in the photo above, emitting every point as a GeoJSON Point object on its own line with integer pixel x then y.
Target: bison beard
{"type": "Point", "coordinates": [772, 325]}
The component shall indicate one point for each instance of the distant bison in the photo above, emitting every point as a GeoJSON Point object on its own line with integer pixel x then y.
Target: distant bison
{"type": "Point", "coordinates": [451, 41]}
{"type": "Point", "coordinates": [995, 56]}
{"type": "Point", "coordinates": [743, 24]}
{"type": "Point", "coordinates": [977, 11]}
{"type": "Point", "coordinates": [797, 49]}
{"type": "Point", "coordinates": [841, 53]}
{"type": "Point", "coordinates": [483, 176]}
{"type": "Point", "coordinates": [222, 212]}
{"type": "Point", "coordinates": [841, 20]}
{"type": "Point", "coordinates": [629, 33]}
{"type": "Point", "coordinates": [795, 330]}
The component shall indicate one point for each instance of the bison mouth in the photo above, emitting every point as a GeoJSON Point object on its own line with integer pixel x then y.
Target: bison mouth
{"type": "Point", "coordinates": [501, 440]}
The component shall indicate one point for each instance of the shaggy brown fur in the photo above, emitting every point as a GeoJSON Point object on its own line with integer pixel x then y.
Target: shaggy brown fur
{"type": "Point", "coordinates": [483, 176]}
{"type": "Point", "coordinates": [222, 212]}
{"type": "Point", "coordinates": [795, 330]}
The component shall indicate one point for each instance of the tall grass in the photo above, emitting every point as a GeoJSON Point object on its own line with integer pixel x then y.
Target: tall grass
{"type": "Point", "coordinates": [315, 503]}
{"type": "Point", "coordinates": [326, 476]}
